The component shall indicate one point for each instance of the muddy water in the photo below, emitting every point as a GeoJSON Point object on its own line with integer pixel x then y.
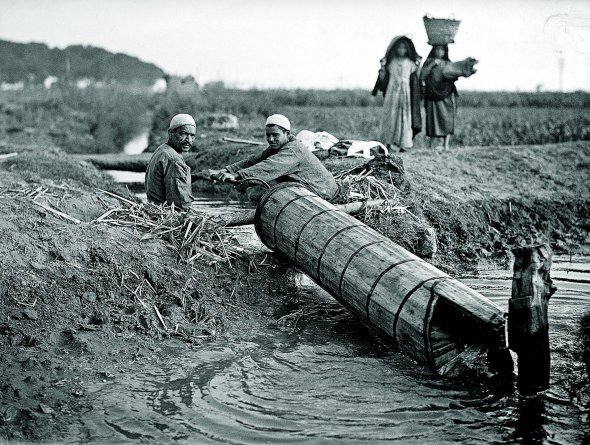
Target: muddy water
{"type": "Point", "coordinates": [326, 379]}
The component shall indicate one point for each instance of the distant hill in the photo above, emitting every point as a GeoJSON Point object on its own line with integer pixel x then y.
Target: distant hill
{"type": "Point", "coordinates": [33, 62]}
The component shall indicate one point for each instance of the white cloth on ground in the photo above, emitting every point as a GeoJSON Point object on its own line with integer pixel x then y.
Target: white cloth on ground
{"type": "Point", "coordinates": [321, 140]}
{"type": "Point", "coordinates": [363, 149]}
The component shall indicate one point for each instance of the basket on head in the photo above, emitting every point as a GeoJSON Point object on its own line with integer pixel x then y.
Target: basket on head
{"type": "Point", "coordinates": [441, 31]}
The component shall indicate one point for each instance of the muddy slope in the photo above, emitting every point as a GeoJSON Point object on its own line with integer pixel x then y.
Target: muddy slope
{"type": "Point", "coordinates": [484, 201]}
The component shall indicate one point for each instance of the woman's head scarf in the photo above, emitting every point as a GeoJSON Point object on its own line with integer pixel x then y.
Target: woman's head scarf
{"type": "Point", "coordinates": [412, 54]}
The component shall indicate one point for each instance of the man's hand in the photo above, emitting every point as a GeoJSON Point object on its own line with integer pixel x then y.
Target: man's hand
{"type": "Point", "coordinates": [229, 177]}
{"type": "Point", "coordinates": [222, 176]}
{"type": "Point", "coordinates": [216, 175]}
{"type": "Point", "coordinates": [201, 175]}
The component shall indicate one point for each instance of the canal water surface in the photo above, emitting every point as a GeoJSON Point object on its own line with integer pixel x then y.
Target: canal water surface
{"type": "Point", "coordinates": [328, 380]}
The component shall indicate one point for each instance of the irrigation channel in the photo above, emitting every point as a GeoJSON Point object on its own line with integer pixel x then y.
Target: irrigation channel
{"type": "Point", "coordinates": [329, 380]}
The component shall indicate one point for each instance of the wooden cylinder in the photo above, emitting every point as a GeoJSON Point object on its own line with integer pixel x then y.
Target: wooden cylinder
{"type": "Point", "coordinates": [528, 324]}
{"type": "Point", "coordinates": [430, 315]}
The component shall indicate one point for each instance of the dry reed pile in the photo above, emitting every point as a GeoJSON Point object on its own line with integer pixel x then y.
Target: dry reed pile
{"type": "Point", "coordinates": [392, 218]}
{"type": "Point", "coordinates": [194, 235]}
{"type": "Point", "coordinates": [364, 186]}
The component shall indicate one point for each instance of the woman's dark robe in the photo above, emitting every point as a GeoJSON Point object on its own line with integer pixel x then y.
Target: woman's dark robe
{"type": "Point", "coordinates": [440, 104]}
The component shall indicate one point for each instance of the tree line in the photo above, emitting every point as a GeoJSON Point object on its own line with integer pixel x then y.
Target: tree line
{"type": "Point", "coordinates": [34, 62]}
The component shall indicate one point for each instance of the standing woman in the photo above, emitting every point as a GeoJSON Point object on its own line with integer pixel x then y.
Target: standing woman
{"type": "Point", "coordinates": [440, 96]}
{"type": "Point", "coordinates": [398, 80]}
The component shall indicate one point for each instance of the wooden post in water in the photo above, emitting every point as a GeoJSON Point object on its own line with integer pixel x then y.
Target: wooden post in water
{"type": "Point", "coordinates": [528, 326]}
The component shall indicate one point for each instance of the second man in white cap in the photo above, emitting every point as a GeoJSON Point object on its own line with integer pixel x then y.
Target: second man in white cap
{"type": "Point", "coordinates": [285, 160]}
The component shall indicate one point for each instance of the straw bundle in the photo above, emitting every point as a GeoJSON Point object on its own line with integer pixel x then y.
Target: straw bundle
{"type": "Point", "coordinates": [392, 218]}
{"type": "Point", "coordinates": [366, 187]}
{"type": "Point", "coordinates": [193, 234]}
{"type": "Point", "coordinates": [363, 186]}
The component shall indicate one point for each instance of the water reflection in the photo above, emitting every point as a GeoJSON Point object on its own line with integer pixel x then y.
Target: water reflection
{"type": "Point", "coordinates": [138, 144]}
{"type": "Point", "coordinates": [531, 420]}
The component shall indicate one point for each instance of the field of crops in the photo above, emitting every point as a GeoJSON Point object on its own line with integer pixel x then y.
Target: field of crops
{"type": "Point", "coordinates": [102, 120]}
{"type": "Point", "coordinates": [474, 125]}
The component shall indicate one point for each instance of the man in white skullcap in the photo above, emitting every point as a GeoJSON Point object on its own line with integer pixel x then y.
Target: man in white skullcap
{"type": "Point", "coordinates": [168, 178]}
{"type": "Point", "coordinates": [285, 160]}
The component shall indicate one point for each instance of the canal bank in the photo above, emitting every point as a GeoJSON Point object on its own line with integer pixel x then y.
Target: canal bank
{"type": "Point", "coordinates": [482, 201]}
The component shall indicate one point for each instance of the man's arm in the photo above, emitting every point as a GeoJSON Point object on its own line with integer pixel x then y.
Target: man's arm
{"type": "Point", "coordinates": [178, 185]}
{"type": "Point", "coordinates": [282, 163]}
{"type": "Point", "coordinates": [248, 162]}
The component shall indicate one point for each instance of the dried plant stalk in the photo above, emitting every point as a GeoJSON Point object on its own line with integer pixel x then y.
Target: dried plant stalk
{"type": "Point", "coordinates": [193, 234]}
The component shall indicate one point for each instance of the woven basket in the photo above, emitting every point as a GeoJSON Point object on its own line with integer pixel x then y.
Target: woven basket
{"type": "Point", "coordinates": [441, 31]}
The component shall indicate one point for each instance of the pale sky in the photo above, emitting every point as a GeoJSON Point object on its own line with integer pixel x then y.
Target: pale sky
{"type": "Point", "coordinates": [317, 44]}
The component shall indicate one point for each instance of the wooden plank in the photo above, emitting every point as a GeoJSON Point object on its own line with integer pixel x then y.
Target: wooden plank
{"type": "Point", "coordinates": [442, 347]}
{"type": "Point", "coordinates": [248, 217]}
{"type": "Point", "coordinates": [313, 236]}
{"type": "Point", "coordinates": [441, 343]}
{"type": "Point", "coordinates": [242, 141]}
{"type": "Point", "coordinates": [270, 208]}
{"type": "Point", "coordinates": [472, 304]}
{"type": "Point", "coordinates": [444, 362]}
{"type": "Point", "coordinates": [7, 156]}
{"type": "Point", "coordinates": [292, 220]}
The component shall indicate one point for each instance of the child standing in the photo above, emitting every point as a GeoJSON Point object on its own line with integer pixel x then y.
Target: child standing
{"type": "Point", "coordinates": [439, 75]}
{"type": "Point", "coordinates": [398, 80]}
{"type": "Point", "coordinates": [440, 97]}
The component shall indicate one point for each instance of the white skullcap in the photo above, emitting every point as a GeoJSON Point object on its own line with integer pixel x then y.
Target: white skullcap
{"type": "Point", "coordinates": [182, 119]}
{"type": "Point", "coordinates": [280, 120]}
